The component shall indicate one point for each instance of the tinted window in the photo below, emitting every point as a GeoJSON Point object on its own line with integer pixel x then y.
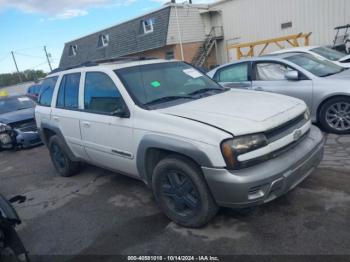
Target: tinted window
{"type": "Point", "coordinates": [271, 71]}
{"type": "Point", "coordinates": [69, 92]}
{"type": "Point", "coordinates": [46, 91]}
{"type": "Point", "coordinates": [234, 73]}
{"type": "Point", "coordinates": [101, 94]}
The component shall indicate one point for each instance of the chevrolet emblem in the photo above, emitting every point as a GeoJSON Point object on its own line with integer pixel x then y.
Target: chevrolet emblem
{"type": "Point", "coordinates": [297, 135]}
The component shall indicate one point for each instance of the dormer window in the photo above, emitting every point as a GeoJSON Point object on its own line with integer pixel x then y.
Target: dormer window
{"type": "Point", "coordinates": [103, 40]}
{"type": "Point", "coordinates": [73, 50]}
{"type": "Point", "coordinates": [148, 25]}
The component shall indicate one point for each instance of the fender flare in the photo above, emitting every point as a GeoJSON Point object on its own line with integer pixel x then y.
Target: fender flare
{"type": "Point", "coordinates": [153, 141]}
{"type": "Point", "coordinates": [58, 133]}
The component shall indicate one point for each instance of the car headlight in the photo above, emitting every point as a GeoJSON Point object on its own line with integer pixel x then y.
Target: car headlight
{"type": "Point", "coordinates": [307, 114]}
{"type": "Point", "coordinates": [232, 148]}
{"type": "Point", "coordinates": [4, 128]}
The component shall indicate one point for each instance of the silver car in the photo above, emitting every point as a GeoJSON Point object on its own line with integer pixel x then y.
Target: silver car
{"type": "Point", "coordinates": [323, 85]}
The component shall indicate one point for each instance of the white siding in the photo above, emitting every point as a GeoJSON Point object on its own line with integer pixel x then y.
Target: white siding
{"type": "Point", "coordinates": [252, 20]}
{"type": "Point", "coordinates": [192, 25]}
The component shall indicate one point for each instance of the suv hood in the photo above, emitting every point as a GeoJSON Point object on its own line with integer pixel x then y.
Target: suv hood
{"type": "Point", "coordinates": [240, 112]}
{"type": "Point", "coordinates": [17, 116]}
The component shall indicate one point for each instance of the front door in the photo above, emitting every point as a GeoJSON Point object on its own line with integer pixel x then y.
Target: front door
{"type": "Point", "coordinates": [107, 138]}
{"type": "Point", "coordinates": [269, 76]}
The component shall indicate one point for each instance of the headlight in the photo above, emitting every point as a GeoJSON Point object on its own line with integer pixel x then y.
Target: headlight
{"type": "Point", "coordinates": [4, 128]}
{"type": "Point", "coordinates": [232, 148]}
{"type": "Point", "coordinates": [307, 114]}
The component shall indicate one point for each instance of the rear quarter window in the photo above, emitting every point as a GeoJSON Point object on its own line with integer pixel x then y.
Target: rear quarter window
{"type": "Point", "coordinates": [46, 92]}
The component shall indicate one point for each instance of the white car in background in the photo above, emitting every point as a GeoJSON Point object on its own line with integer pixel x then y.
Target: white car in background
{"type": "Point", "coordinates": [321, 52]}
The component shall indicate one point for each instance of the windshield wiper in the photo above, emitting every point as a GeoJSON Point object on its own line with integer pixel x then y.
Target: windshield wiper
{"type": "Point", "coordinates": [205, 90]}
{"type": "Point", "coordinates": [167, 99]}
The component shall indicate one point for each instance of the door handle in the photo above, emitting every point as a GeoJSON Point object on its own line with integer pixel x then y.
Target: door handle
{"type": "Point", "coordinates": [55, 118]}
{"type": "Point", "coordinates": [257, 88]}
{"type": "Point", "coordinates": [86, 124]}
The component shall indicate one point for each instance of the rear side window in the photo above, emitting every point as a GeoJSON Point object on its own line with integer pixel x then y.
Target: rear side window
{"type": "Point", "coordinates": [68, 94]}
{"type": "Point", "coordinates": [46, 92]}
{"type": "Point", "coordinates": [234, 73]}
{"type": "Point", "coordinates": [101, 94]}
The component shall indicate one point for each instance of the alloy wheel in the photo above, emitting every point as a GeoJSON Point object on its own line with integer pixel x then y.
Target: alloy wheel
{"type": "Point", "coordinates": [338, 116]}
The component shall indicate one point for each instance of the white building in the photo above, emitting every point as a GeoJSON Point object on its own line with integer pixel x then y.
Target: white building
{"type": "Point", "coordinates": [252, 20]}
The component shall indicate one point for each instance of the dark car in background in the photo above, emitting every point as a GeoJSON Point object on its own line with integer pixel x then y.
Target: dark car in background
{"type": "Point", "coordinates": [33, 91]}
{"type": "Point", "coordinates": [17, 124]}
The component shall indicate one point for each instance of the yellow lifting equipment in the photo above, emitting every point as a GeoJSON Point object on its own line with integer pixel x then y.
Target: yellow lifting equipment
{"type": "Point", "coordinates": [292, 40]}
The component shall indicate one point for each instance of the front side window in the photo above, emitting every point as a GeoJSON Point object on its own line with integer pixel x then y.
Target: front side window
{"type": "Point", "coordinates": [46, 91]}
{"type": "Point", "coordinates": [328, 53]}
{"type": "Point", "coordinates": [315, 66]}
{"type": "Point", "coordinates": [271, 71]}
{"type": "Point", "coordinates": [233, 73]}
{"type": "Point", "coordinates": [68, 94]}
{"type": "Point", "coordinates": [163, 82]}
{"type": "Point", "coordinates": [101, 94]}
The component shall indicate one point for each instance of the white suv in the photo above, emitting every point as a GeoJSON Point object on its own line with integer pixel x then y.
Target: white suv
{"type": "Point", "coordinates": [196, 144]}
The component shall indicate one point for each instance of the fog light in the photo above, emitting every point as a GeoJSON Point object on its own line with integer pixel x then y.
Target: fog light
{"type": "Point", "coordinates": [5, 139]}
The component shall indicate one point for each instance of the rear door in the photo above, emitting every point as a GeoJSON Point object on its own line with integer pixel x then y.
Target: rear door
{"type": "Point", "coordinates": [107, 137]}
{"type": "Point", "coordinates": [269, 76]}
{"type": "Point", "coordinates": [235, 76]}
{"type": "Point", "coordinates": [66, 113]}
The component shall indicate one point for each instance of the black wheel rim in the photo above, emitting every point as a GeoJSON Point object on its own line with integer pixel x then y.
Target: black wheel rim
{"type": "Point", "coordinates": [338, 116]}
{"type": "Point", "coordinates": [58, 156]}
{"type": "Point", "coordinates": [179, 193]}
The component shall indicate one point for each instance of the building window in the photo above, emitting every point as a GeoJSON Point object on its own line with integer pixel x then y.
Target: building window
{"type": "Point", "coordinates": [148, 25]}
{"type": "Point", "coordinates": [73, 50]}
{"type": "Point", "coordinates": [103, 40]}
{"type": "Point", "coordinates": [169, 55]}
{"type": "Point", "coordinates": [286, 25]}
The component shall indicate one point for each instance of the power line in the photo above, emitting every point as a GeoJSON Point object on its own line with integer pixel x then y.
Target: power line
{"type": "Point", "coordinates": [32, 56]}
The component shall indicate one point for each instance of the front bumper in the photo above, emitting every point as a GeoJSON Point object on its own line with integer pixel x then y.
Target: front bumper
{"type": "Point", "coordinates": [17, 138]}
{"type": "Point", "coordinates": [266, 181]}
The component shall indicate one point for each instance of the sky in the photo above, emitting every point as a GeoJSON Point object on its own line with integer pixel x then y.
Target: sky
{"type": "Point", "coordinates": [26, 26]}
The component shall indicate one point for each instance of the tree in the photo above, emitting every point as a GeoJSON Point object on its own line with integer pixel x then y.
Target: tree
{"type": "Point", "coordinates": [28, 75]}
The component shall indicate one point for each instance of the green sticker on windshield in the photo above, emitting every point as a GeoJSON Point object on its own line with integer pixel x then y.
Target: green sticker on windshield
{"type": "Point", "coordinates": [155, 84]}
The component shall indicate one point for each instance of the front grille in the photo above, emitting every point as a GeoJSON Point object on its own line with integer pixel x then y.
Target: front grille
{"type": "Point", "coordinates": [25, 126]}
{"type": "Point", "coordinates": [285, 129]}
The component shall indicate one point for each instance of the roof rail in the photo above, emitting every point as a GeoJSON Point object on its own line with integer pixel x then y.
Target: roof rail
{"type": "Point", "coordinates": [104, 61]}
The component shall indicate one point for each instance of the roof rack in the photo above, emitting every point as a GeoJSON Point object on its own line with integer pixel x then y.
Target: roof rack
{"type": "Point", "coordinates": [104, 61]}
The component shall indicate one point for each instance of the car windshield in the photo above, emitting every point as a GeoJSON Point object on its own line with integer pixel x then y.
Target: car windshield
{"type": "Point", "coordinates": [10, 104]}
{"type": "Point", "coordinates": [328, 53]}
{"type": "Point", "coordinates": [315, 66]}
{"type": "Point", "coordinates": [163, 82]}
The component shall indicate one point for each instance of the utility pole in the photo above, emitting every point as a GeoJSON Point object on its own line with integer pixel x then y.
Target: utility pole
{"type": "Point", "coordinates": [47, 57]}
{"type": "Point", "coordinates": [14, 60]}
{"type": "Point", "coordinates": [179, 33]}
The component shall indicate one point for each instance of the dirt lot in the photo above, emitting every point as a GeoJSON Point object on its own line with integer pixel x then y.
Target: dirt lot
{"type": "Point", "coordinates": [100, 212]}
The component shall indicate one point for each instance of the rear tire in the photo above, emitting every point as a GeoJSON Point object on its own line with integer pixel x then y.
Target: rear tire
{"type": "Point", "coordinates": [335, 115]}
{"type": "Point", "coordinates": [60, 159]}
{"type": "Point", "coordinates": [182, 193]}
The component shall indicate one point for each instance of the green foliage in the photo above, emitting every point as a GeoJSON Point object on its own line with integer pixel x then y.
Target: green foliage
{"type": "Point", "coordinates": [13, 78]}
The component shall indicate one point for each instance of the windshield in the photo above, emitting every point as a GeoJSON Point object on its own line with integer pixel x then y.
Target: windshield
{"type": "Point", "coordinates": [315, 66]}
{"type": "Point", "coordinates": [163, 82]}
{"type": "Point", "coordinates": [328, 53]}
{"type": "Point", "coordinates": [11, 104]}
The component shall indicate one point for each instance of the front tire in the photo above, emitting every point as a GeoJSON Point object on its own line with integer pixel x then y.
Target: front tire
{"type": "Point", "coordinates": [60, 159]}
{"type": "Point", "coordinates": [335, 115]}
{"type": "Point", "coordinates": [182, 193]}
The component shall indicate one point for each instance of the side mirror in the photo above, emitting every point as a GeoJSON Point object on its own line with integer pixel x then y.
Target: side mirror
{"type": "Point", "coordinates": [121, 112]}
{"type": "Point", "coordinates": [292, 75]}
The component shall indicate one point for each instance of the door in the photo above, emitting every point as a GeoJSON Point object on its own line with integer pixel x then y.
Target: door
{"type": "Point", "coordinates": [66, 113]}
{"type": "Point", "coordinates": [234, 76]}
{"type": "Point", "coordinates": [270, 76]}
{"type": "Point", "coordinates": [107, 137]}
